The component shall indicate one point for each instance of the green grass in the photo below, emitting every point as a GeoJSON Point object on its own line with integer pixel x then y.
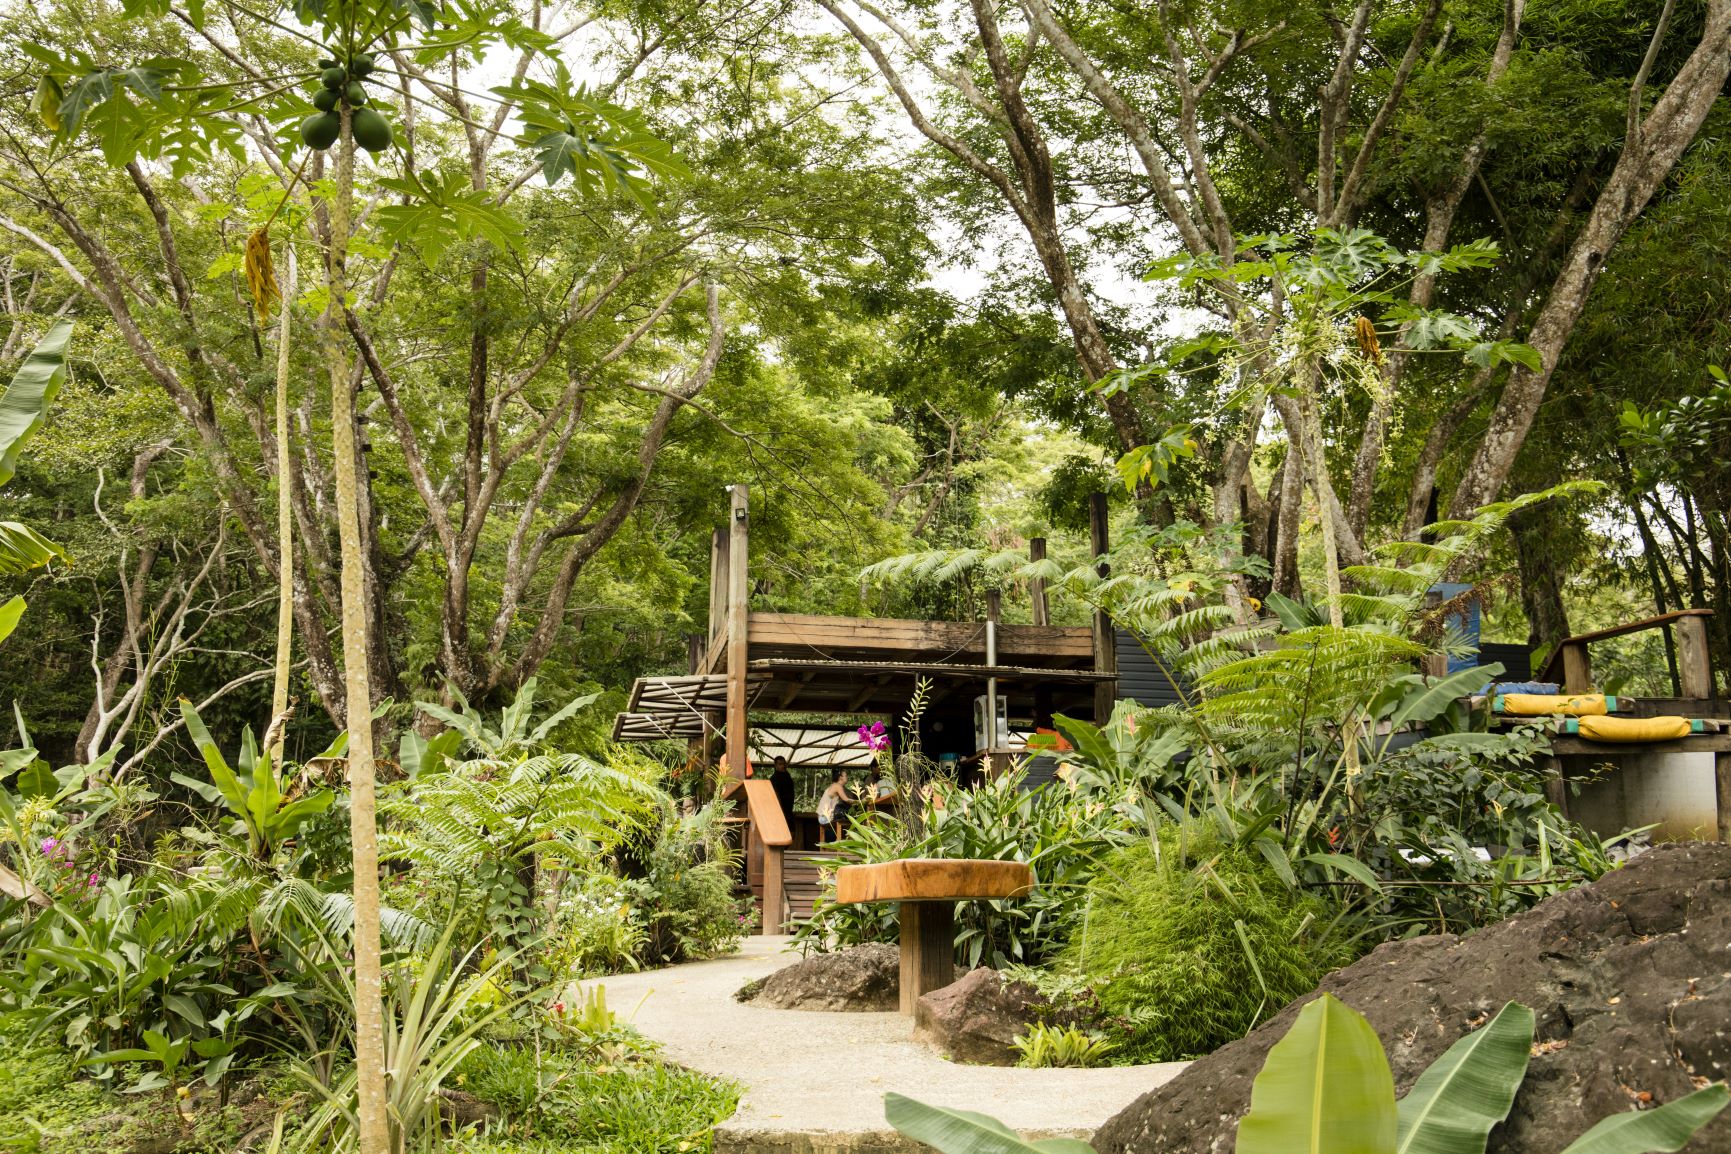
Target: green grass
{"type": "Point", "coordinates": [45, 1107]}
{"type": "Point", "coordinates": [618, 1099]}
{"type": "Point", "coordinates": [628, 1105]}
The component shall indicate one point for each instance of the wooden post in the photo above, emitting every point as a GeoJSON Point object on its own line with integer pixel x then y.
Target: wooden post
{"type": "Point", "coordinates": [1722, 782]}
{"type": "Point", "coordinates": [1577, 668]}
{"type": "Point", "coordinates": [1037, 585]}
{"type": "Point", "coordinates": [1105, 635]}
{"type": "Point", "coordinates": [928, 931]}
{"type": "Point", "coordinates": [994, 609]}
{"type": "Point", "coordinates": [1694, 665]}
{"type": "Point", "coordinates": [774, 892]}
{"type": "Point", "coordinates": [738, 602]}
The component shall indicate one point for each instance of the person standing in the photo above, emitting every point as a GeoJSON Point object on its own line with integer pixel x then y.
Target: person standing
{"type": "Point", "coordinates": [781, 781]}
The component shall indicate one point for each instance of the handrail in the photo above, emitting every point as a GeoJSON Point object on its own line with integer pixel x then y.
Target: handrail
{"type": "Point", "coordinates": [1633, 627]}
{"type": "Point", "coordinates": [765, 810]}
{"type": "Point", "coordinates": [1695, 669]}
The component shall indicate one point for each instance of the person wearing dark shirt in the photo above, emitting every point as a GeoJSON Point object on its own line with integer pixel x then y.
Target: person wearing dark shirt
{"type": "Point", "coordinates": [782, 782]}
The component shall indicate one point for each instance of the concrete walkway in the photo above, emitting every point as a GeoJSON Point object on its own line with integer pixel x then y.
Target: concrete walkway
{"type": "Point", "coordinates": [814, 1082]}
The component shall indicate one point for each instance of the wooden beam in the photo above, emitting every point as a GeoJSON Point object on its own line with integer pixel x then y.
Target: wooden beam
{"type": "Point", "coordinates": [1577, 668]}
{"type": "Point", "coordinates": [1694, 662]}
{"type": "Point", "coordinates": [866, 692]}
{"type": "Point", "coordinates": [805, 634]}
{"type": "Point", "coordinates": [928, 950]}
{"type": "Point", "coordinates": [1105, 635]}
{"type": "Point", "coordinates": [792, 691]}
{"type": "Point", "coordinates": [717, 588]}
{"type": "Point", "coordinates": [1037, 585]}
{"type": "Point", "coordinates": [738, 604]}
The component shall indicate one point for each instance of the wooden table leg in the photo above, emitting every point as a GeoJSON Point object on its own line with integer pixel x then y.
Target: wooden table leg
{"type": "Point", "coordinates": [928, 932]}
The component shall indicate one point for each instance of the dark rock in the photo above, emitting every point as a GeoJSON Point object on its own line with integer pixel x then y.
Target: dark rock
{"type": "Point", "coordinates": [458, 1109]}
{"type": "Point", "coordinates": [1629, 979]}
{"type": "Point", "coordinates": [863, 978]}
{"type": "Point", "coordinates": [976, 1018]}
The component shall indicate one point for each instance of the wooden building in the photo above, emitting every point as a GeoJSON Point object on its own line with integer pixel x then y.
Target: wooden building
{"type": "Point", "coordinates": [754, 665]}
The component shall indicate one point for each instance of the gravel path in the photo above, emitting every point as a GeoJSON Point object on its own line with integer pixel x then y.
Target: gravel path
{"type": "Point", "coordinates": [814, 1082]}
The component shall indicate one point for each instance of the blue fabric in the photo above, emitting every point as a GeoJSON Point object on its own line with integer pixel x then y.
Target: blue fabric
{"type": "Point", "coordinates": [1548, 687]}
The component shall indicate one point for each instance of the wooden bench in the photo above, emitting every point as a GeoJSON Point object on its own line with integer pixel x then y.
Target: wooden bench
{"type": "Point", "coordinates": [928, 890]}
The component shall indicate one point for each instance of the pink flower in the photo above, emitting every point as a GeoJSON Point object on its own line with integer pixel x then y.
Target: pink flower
{"type": "Point", "coordinates": [95, 880]}
{"type": "Point", "coordinates": [874, 736]}
{"type": "Point", "coordinates": [559, 1008]}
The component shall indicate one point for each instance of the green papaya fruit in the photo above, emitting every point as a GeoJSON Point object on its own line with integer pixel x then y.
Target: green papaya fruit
{"type": "Point", "coordinates": [324, 100]}
{"type": "Point", "coordinates": [362, 65]}
{"type": "Point", "coordinates": [324, 64]}
{"type": "Point", "coordinates": [334, 78]}
{"type": "Point", "coordinates": [321, 130]}
{"type": "Point", "coordinates": [356, 94]}
{"type": "Point", "coordinates": [372, 131]}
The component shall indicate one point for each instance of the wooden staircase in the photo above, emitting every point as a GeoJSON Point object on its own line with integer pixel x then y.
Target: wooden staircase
{"type": "Point", "coordinates": [802, 878]}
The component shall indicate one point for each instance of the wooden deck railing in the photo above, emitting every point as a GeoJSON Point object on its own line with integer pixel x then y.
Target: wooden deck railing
{"type": "Point", "coordinates": [1687, 626]}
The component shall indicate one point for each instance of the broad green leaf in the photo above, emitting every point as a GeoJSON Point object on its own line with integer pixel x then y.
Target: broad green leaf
{"type": "Point", "coordinates": [10, 612]}
{"type": "Point", "coordinates": [24, 405]}
{"type": "Point", "coordinates": [22, 548]}
{"type": "Point", "coordinates": [1455, 1103]}
{"type": "Point", "coordinates": [38, 780]}
{"type": "Point", "coordinates": [1349, 866]}
{"type": "Point", "coordinates": [540, 732]}
{"type": "Point", "coordinates": [1658, 1131]}
{"type": "Point", "coordinates": [1325, 1089]}
{"type": "Point", "coordinates": [965, 1132]}
{"type": "Point", "coordinates": [220, 773]}
{"type": "Point", "coordinates": [1426, 703]}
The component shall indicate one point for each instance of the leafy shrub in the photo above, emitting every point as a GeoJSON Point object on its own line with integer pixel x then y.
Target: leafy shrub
{"type": "Point", "coordinates": [595, 929]}
{"type": "Point", "coordinates": [1193, 945]}
{"type": "Point", "coordinates": [1058, 833]}
{"type": "Point", "coordinates": [681, 882]}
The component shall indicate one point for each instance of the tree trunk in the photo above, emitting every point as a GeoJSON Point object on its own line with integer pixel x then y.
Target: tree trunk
{"type": "Point", "coordinates": [285, 613]}
{"type": "Point", "coordinates": [1533, 531]}
{"type": "Point", "coordinates": [373, 1128]}
{"type": "Point", "coordinates": [1650, 152]}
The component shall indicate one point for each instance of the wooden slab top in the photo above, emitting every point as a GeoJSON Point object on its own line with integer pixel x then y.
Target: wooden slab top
{"type": "Point", "coordinates": [925, 879]}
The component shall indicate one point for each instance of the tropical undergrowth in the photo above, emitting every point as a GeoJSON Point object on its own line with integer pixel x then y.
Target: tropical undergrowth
{"type": "Point", "coordinates": [166, 981]}
{"type": "Point", "coordinates": [1312, 793]}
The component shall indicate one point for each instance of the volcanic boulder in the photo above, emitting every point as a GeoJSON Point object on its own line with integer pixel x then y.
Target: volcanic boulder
{"type": "Point", "coordinates": [1629, 979]}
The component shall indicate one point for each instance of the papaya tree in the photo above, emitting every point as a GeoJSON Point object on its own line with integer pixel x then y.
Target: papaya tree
{"type": "Point", "coordinates": [338, 73]}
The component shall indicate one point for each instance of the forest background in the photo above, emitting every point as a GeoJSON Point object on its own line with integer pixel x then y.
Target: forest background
{"type": "Point", "coordinates": [929, 272]}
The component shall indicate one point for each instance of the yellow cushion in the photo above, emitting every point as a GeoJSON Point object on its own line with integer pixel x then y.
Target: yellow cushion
{"type": "Point", "coordinates": [1635, 728]}
{"type": "Point", "coordinates": [1571, 704]}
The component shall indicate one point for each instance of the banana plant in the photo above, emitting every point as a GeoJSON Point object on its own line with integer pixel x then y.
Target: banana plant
{"type": "Point", "coordinates": [266, 813]}
{"type": "Point", "coordinates": [23, 408]}
{"type": "Point", "coordinates": [1326, 1088]}
{"type": "Point", "coordinates": [513, 735]}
